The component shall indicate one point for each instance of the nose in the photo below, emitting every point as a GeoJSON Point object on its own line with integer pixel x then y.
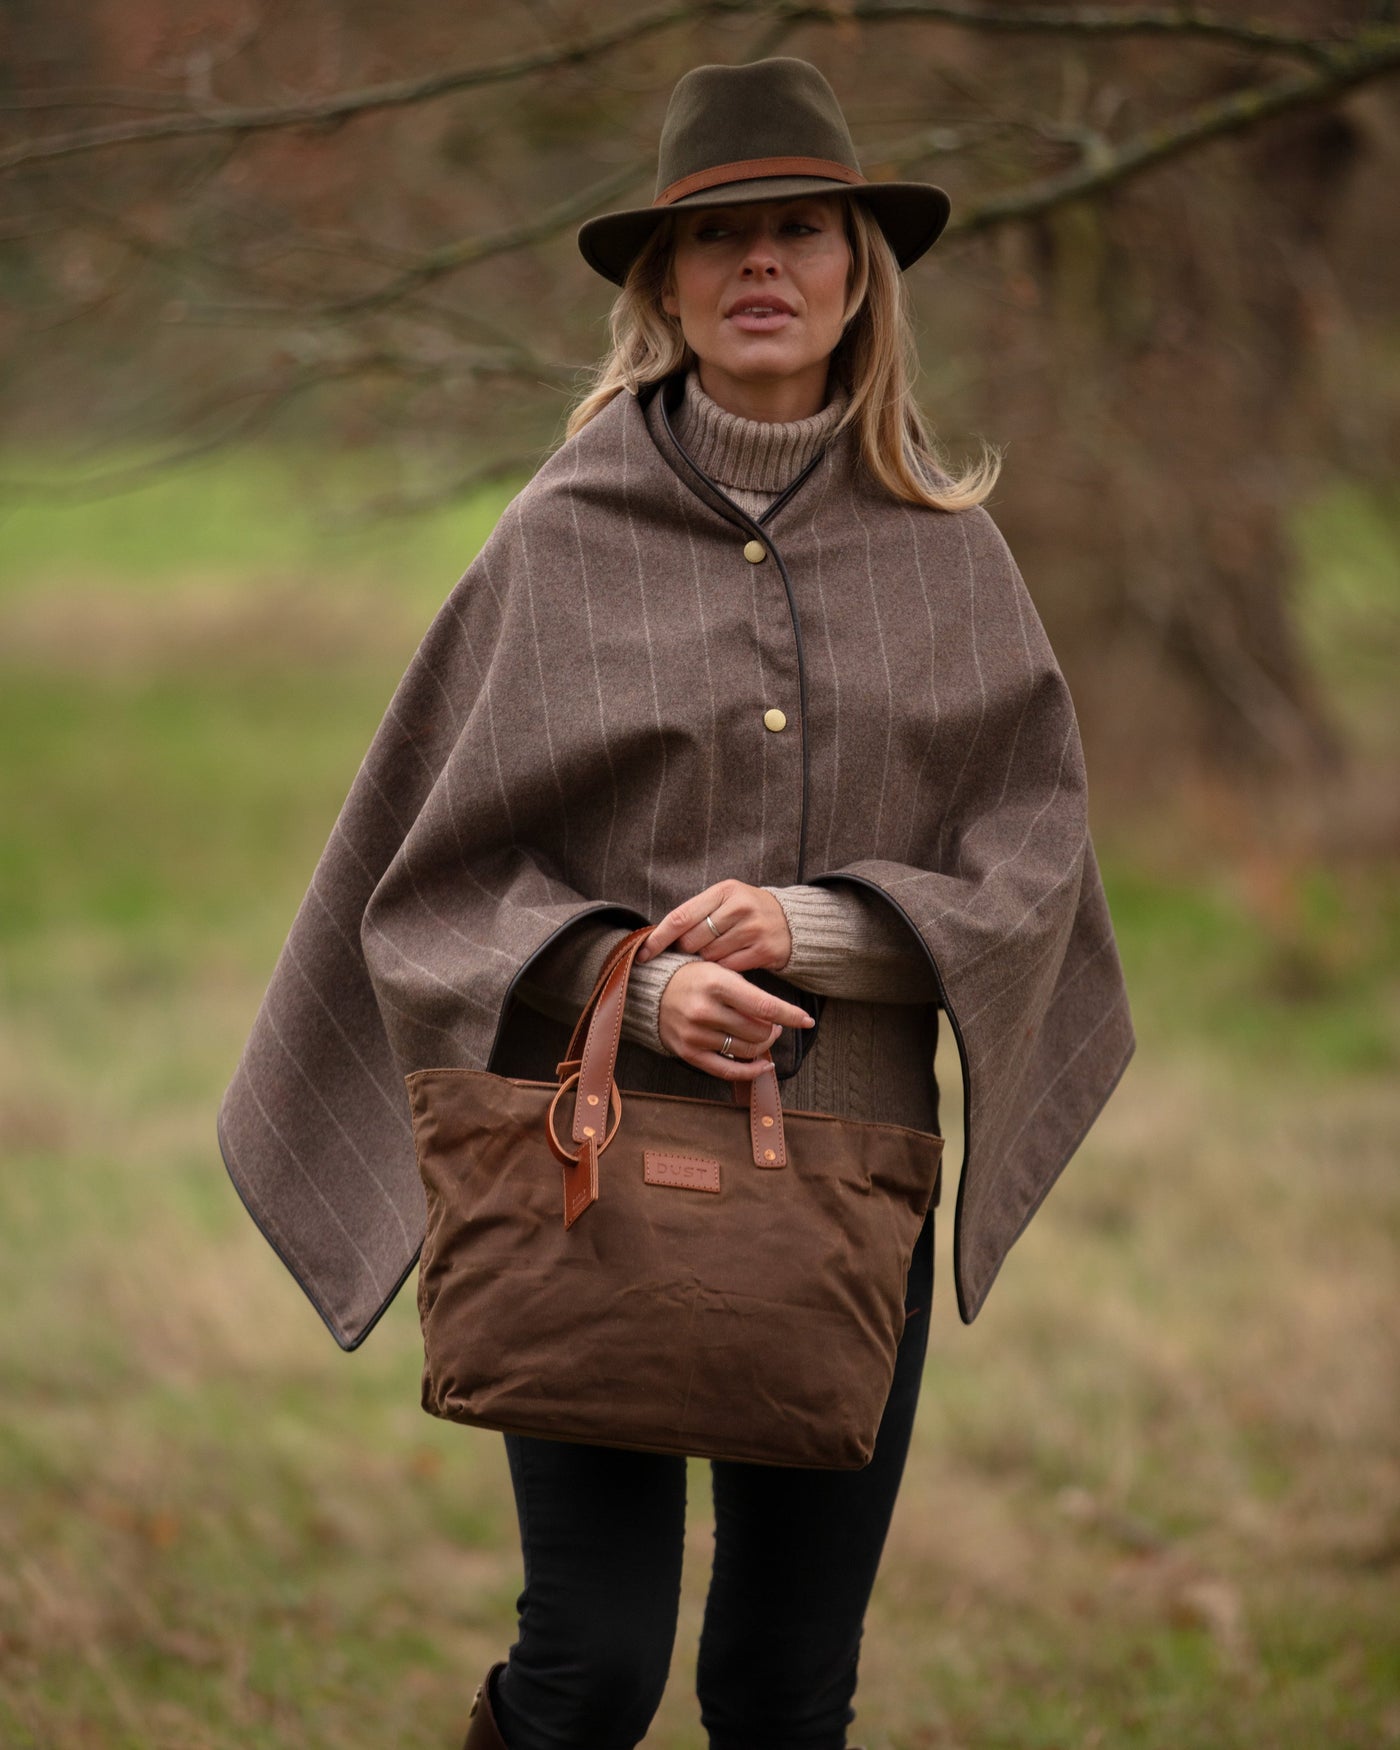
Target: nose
{"type": "Point", "coordinates": [760, 257]}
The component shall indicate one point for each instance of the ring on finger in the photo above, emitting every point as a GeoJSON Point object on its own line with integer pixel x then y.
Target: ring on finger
{"type": "Point", "coordinates": [724, 1050]}
{"type": "Point", "coordinates": [714, 928]}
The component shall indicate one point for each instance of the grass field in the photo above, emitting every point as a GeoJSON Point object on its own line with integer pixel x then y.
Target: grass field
{"type": "Point", "coordinates": [1154, 1496]}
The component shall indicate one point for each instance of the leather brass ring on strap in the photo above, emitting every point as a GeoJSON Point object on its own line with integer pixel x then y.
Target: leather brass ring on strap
{"type": "Point", "coordinates": [560, 1152]}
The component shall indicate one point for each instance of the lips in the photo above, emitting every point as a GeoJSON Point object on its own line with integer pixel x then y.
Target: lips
{"type": "Point", "coordinates": [761, 315]}
{"type": "Point", "coordinates": [763, 305]}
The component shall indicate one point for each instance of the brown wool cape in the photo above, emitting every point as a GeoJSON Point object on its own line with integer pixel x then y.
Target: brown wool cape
{"type": "Point", "coordinates": [581, 733]}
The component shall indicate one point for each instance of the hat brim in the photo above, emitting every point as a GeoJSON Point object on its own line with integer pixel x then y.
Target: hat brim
{"type": "Point", "coordinates": [911, 215]}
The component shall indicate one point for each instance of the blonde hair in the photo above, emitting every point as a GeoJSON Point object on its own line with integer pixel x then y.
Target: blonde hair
{"type": "Point", "coordinates": [875, 362]}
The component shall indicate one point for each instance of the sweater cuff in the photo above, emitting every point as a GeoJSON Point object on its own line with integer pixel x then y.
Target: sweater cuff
{"type": "Point", "coordinates": [845, 944]}
{"type": "Point", "coordinates": [561, 977]}
{"type": "Point", "coordinates": [821, 924]}
{"type": "Point", "coordinates": [641, 1014]}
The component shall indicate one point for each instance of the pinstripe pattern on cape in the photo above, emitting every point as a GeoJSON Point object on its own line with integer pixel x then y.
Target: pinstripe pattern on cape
{"type": "Point", "coordinates": [581, 731]}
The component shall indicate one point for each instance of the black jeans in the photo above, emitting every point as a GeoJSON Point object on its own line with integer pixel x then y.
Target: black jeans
{"type": "Point", "coordinates": [796, 1553]}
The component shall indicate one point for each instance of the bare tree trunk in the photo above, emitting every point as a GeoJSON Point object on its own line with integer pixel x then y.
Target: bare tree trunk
{"type": "Point", "coordinates": [1153, 358]}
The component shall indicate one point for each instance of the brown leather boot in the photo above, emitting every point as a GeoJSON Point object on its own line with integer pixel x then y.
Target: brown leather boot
{"type": "Point", "coordinates": [482, 1733]}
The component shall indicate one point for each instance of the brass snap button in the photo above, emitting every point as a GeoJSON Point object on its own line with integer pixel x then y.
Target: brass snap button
{"type": "Point", "coordinates": [755, 552]}
{"type": "Point", "coordinates": [774, 719]}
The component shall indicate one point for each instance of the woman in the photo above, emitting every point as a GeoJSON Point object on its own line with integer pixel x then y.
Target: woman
{"type": "Point", "coordinates": [758, 294]}
{"type": "Point", "coordinates": [774, 297]}
{"type": "Point", "coordinates": [743, 663]}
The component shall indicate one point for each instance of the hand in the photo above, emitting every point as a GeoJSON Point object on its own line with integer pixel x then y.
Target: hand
{"type": "Point", "coordinates": [753, 930]}
{"type": "Point", "coordinates": [700, 1004]}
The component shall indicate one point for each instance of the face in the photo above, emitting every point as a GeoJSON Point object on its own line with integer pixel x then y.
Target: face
{"type": "Point", "coordinates": [760, 290]}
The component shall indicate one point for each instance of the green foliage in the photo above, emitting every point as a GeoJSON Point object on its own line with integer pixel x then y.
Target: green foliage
{"type": "Point", "coordinates": [1304, 983]}
{"type": "Point", "coordinates": [161, 804]}
{"type": "Point", "coordinates": [245, 514]}
{"type": "Point", "coordinates": [1347, 608]}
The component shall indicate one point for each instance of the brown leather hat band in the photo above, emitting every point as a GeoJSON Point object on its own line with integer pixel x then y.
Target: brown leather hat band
{"type": "Point", "coordinates": [746, 168]}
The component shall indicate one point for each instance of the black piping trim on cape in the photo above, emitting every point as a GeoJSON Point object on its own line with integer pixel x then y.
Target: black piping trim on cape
{"type": "Point", "coordinates": [626, 915]}
{"type": "Point", "coordinates": [672, 390]}
{"type": "Point", "coordinates": [963, 1313]}
{"type": "Point", "coordinates": [946, 1006]}
{"type": "Point", "coordinates": [1084, 1131]}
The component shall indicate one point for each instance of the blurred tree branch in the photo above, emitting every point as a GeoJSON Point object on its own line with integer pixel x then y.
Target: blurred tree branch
{"type": "Point", "coordinates": [243, 410]}
{"type": "Point", "coordinates": [1177, 21]}
{"type": "Point", "coordinates": [1163, 356]}
{"type": "Point", "coordinates": [1334, 66]}
{"type": "Point", "coordinates": [249, 408]}
{"type": "Point", "coordinates": [1108, 165]}
{"type": "Point", "coordinates": [77, 97]}
{"type": "Point", "coordinates": [468, 252]}
{"type": "Point", "coordinates": [1183, 22]}
{"type": "Point", "coordinates": [341, 106]}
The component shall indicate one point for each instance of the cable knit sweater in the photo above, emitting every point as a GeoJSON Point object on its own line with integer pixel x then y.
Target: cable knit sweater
{"type": "Point", "coordinates": [872, 1053]}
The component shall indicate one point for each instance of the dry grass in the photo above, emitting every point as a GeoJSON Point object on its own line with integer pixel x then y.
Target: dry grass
{"type": "Point", "coordinates": [1154, 1495]}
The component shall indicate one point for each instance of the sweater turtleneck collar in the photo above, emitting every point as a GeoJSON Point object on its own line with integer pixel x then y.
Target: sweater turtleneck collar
{"type": "Point", "coordinates": [753, 455]}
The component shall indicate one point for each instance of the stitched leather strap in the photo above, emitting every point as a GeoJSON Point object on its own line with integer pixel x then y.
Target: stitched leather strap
{"type": "Point", "coordinates": [573, 1057]}
{"type": "Point", "coordinates": [595, 1081]}
{"type": "Point", "coordinates": [766, 1119]}
{"type": "Point", "coordinates": [599, 1030]}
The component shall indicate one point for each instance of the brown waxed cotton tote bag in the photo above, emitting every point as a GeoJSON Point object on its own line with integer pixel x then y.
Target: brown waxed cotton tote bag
{"type": "Point", "coordinates": [723, 1280]}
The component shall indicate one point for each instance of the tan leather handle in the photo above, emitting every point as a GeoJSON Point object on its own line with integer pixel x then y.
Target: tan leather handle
{"type": "Point", "coordinates": [595, 1082]}
{"type": "Point", "coordinates": [573, 1056]}
{"type": "Point", "coordinates": [600, 1029]}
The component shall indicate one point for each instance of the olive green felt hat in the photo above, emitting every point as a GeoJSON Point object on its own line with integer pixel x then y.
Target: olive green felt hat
{"type": "Point", "coordinates": [770, 130]}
